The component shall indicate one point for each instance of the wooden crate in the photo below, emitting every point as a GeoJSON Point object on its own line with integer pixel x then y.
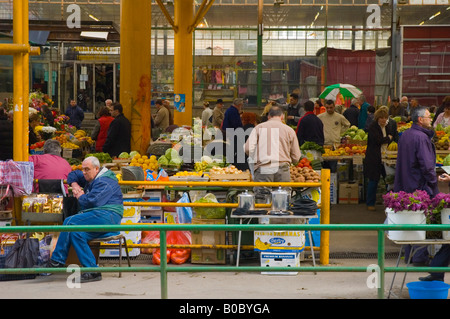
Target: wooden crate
{"type": "Point", "coordinates": [244, 176]}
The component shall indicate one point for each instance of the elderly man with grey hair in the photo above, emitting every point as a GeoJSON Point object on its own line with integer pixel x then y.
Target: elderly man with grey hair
{"type": "Point", "coordinates": [50, 165]}
{"type": "Point", "coordinates": [101, 203]}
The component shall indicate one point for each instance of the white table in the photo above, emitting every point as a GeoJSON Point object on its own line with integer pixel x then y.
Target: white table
{"type": "Point", "coordinates": [305, 218]}
{"type": "Point", "coordinates": [415, 245]}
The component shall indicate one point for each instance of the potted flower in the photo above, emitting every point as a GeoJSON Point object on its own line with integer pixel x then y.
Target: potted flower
{"type": "Point", "coordinates": [406, 208]}
{"type": "Point", "coordinates": [439, 212]}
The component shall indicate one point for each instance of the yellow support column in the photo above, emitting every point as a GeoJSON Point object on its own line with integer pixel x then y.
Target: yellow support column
{"type": "Point", "coordinates": [183, 58]}
{"type": "Point", "coordinates": [325, 217]}
{"type": "Point", "coordinates": [18, 81]}
{"type": "Point", "coordinates": [26, 82]}
{"type": "Point", "coordinates": [135, 69]}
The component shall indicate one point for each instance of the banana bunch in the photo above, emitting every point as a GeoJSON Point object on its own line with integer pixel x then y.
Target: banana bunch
{"type": "Point", "coordinates": [393, 147]}
{"type": "Point", "coordinates": [260, 245]}
{"type": "Point", "coordinates": [70, 145]}
{"type": "Point", "coordinates": [80, 133]}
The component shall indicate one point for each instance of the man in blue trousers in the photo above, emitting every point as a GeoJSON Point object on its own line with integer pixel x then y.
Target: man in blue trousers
{"type": "Point", "coordinates": [101, 203]}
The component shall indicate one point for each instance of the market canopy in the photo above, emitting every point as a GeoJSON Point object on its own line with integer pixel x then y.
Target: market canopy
{"type": "Point", "coordinates": [346, 90]}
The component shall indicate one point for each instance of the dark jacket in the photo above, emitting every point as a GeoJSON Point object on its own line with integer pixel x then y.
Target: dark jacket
{"type": "Point", "coordinates": [76, 115]}
{"type": "Point", "coordinates": [119, 136]}
{"type": "Point", "coordinates": [310, 129]}
{"type": "Point", "coordinates": [416, 161]}
{"type": "Point", "coordinates": [373, 166]}
{"type": "Point", "coordinates": [352, 114]}
{"type": "Point", "coordinates": [232, 118]}
{"type": "Point", "coordinates": [6, 139]}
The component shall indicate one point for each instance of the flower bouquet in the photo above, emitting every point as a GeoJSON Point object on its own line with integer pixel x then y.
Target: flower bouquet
{"type": "Point", "coordinates": [434, 214]}
{"type": "Point", "coordinates": [46, 132]}
{"type": "Point", "coordinates": [406, 208]}
{"type": "Point", "coordinates": [417, 201]}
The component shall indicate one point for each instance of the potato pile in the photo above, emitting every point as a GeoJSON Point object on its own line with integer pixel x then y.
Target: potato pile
{"type": "Point", "coordinates": [304, 175]}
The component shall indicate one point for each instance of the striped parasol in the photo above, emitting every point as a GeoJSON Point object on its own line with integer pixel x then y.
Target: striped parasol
{"type": "Point", "coordinates": [346, 90]}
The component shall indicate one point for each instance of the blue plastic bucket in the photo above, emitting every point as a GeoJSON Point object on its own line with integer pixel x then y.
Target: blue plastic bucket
{"type": "Point", "coordinates": [428, 289]}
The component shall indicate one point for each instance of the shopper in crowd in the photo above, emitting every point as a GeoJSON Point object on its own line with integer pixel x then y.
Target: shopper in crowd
{"type": "Point", "coordinates": [444, 117]}
{"type": "Point", "coordinates": [265, 112]}
{"type": "Point", "coordinates": [47, 115]}
{"type": "Point", "coordinates": [232, 116]}
{"type": "Point", "coordinates": [218, 114]}
{"type": "Point", "coordinates": [233, 136]}
{"type": "Point", "coordinates": [161, 117]}
{"type": "Point", "coordinates": [442, 257]}
{"type": "Point", "coordinates": [272, 146]}
{"type": "Point", "coordinates": [334, 124]}
{"type": "Point", "coordinates": [310, 127]}
{"type": "Point", "coordinates": [206, 114]}
{"type": "Point", "coordinates": [33, 137]}
{"type": "Point", "coordinates": [370, 116]}
{"type": "Point", "coordinates": [352, 112]}
{"type": "Point", "coordinates": [166, 104]}
{"type": "Point", "coordinates": [377, 141]}
{"type": "Point", "coordinates": [50, 165]}
{"type": "Point", "coordinates": [440, 109]}
{"type": "Point", "coordinates": [108, 104]}
{"type": "Point", "coordinates": [118, 139]}
{"type": "Point", "coordinates": [294, 110]}
{"type": "Point", "coordinates": [101, 203]}
{"type": "Point", "coordinates": [362, 117]}
{"type": "Point", "coordinates": [6, 136]}
{"type": "Point", "coordinates": [249, 122]}
{"type": "Point", "coordinates": [397, 109]}
{"type": "Point", "coordinates": [100, 131]}
{"type": "Point", "coordinates": [318, 107]}
{"type": "Point", "coordinates": [75, 114]}
{"type": "Point", "coordinates": [405, 103]}
{"type": "Point", "coordinates": [416, 164]}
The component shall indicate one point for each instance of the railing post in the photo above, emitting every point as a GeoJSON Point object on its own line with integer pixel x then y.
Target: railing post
{"type": "Point", "coordinates": [163, 263]}
{"type": "Point", "coordinates": [381, 259]}
{"type": "Point", "coordinates": [325, 217]}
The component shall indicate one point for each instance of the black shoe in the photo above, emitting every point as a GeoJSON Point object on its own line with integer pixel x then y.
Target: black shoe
{"type": "Point", "coordinates": [430, 278]}
{"type": "Point", "coordinates": [91, 276]}
{"type": "Point", "coordinates": [55, 264]}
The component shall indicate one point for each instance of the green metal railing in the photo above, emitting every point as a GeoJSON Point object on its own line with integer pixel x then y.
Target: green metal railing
{"type": "Point", "coordinates": [164, 268]}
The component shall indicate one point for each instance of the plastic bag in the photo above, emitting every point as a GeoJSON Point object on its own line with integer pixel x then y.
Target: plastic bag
{"type": "Point", "coordinates": [174, 255]}
{"type": "Point", "coordinates": [184, 213]}
{"type": "Point", "coordinates": [149, 237]}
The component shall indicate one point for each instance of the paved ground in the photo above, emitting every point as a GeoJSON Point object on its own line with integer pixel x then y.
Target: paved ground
{"type": "Point", "coordinates": [346, 249]}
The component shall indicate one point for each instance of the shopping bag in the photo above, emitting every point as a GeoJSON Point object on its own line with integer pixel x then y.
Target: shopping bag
{"type": "Point", "coordinates": [70, 206]}
{"type": "Point", "coordinates": [24, 254]}
{"type": "Point", "coordinates": [184, 213]}
{"type": "Point", "coordinates": [19, 175]}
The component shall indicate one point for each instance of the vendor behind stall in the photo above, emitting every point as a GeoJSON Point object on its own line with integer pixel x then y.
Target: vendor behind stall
{"type": "Point", "coordinates": [50, 165]}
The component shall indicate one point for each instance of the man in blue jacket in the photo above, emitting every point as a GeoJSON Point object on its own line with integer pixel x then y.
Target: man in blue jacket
{"type": "Point", "coordinates": [75, 114]}
{"type": "Point", "coordinates": [101, 203]}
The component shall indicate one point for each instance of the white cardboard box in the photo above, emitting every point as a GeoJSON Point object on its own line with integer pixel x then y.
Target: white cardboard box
{"type": "Point", "coordinates": [280, 260]}
{"type": "Point", "coordinates": [279, 241]}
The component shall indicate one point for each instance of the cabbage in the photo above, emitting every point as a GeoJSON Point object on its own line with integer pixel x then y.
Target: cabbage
{"type": "Point", "coordinates": [133, 153]}
{"type": "Point", "coordinates": [163, 161]}
{"type": "Point", "coordinates": [206, 159]}
{"type": "Point", "coordinates": [171, 153]}
{"type": "Point", "coordinates": [209, 212]}
{"type": "Point", "coordinates": [124, 155]}
{"type": "Point", "coordinates": [446, 161]}
{"type": "Point", "coordinates": [175, 161]}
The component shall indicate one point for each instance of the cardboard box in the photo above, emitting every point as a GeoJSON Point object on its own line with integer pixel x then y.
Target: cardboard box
{"type": "Point", "coordinates": [280, 260]}
{"type": "Point", "coordinates": [348, 193]}
{"type": "Point", "coordinates": [279, 241]}
{"type": "Point", "coordinates": [208, 255]}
